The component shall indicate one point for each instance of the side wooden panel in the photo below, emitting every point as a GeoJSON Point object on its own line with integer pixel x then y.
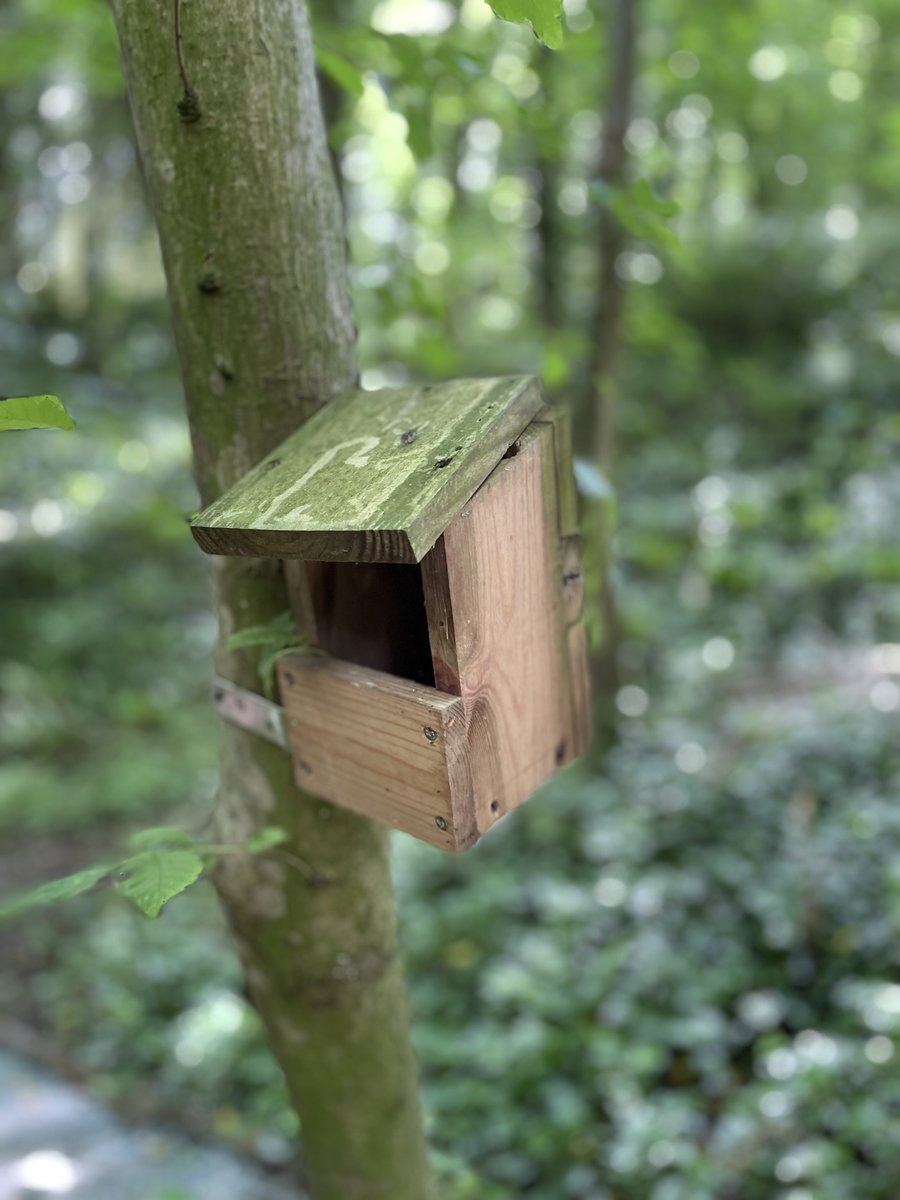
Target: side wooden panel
{"type": "Point", "coordinates": [572, 632]}
{"type": "Point", "coordinates": [580, 688]}
{"type": "Point", "coordinates": [439, 610]}
{"type": "Point", "coordinates": [382, 746]}
{"type": "Point", "coordinates": [560, 422]}
{"type": "Point", "coordinates": [502, 591]}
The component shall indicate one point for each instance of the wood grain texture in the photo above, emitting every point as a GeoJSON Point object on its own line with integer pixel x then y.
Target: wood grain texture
{"type": "Point", "coordinates": [502, 559]}
{"type": "Point", "coordinates": [381, 746]}
{"type": "Point", "coordinates": [500, 600]}
{"type": "Point", "coordinates": [580, 688]}
{"type": "Point", "coordinates": [299, 594]}
{"type": "Point", "coordinates": [373, 477]}
{"type": "Point", "coordinates": [572, 578]}
{"type": "Point", "coordinates": [560, 422]}
{"type": "Point", "coordinates": [439, 610]}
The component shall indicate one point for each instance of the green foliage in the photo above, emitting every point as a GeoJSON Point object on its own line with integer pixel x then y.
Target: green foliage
{"type": "Point", "coordinates": [266, 838]}
{"type": "Point", "coordinates": [278, 636]}
{"type": "Point", "coordinates": [151, 879]}
{"type": "Point", "coordinates": [160, 836]}
{"type": "Point", "coordinates": [653, 983]}
{"type": "Point", "coordinates": [168, 862]}
{"type": "Point", "coordinates": [641, 211]}
{"type": "Point", "coordinates": [75, 37]}
{"type": "Point", "coordinates": [342, 72]}
{"type": "Point", "coordinates": [544, 17]}
{"type": "Point", "coordinates": [50, 893]}
{"type": "Point", "coordinates": [34, 412]}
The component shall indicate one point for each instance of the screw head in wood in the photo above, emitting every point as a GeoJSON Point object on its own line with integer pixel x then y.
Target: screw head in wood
{"type": "Point", "coordinates": [440, 822]}
{"type": "Point", "coordinates": [430, 734]}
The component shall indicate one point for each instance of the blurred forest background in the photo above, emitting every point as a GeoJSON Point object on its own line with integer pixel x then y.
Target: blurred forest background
{"type": "Point", "coordinates": [674, 974]}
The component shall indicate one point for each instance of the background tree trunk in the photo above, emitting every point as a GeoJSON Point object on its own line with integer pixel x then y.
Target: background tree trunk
{"type": "Point", "coordinates": [607, 317]}
{"type": "Point", "coordinates": [606, 334]}
{"type": "Point", "coordinates": [235, 159]}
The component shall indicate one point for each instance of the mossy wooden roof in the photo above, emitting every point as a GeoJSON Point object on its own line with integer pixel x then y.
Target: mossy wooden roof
{"type": "Point", "coordinates": [374, 476]}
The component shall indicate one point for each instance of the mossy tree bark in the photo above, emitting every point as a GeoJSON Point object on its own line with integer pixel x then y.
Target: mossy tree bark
{"type": "Point", "coordinates": [234, 153]}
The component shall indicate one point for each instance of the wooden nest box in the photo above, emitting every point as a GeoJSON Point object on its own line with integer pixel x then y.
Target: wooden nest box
{"type": "Point", "coordinates": [430, 546]}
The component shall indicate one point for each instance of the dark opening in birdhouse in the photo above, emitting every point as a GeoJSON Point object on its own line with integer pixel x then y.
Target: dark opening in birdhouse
{"type": "Point", "coordinates": [372, 614]}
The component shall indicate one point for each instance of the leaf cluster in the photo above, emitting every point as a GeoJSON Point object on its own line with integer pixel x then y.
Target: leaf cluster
{"type": "Point", "coordinates": [276, 637]}
{"type": "Point", "coordinates": [167, 860]}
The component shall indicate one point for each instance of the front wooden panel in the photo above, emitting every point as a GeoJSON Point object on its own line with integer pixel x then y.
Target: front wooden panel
{"type": "Point", "coordinates": [382, 746]}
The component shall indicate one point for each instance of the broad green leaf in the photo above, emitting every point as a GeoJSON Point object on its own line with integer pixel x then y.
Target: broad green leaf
{"type": "Point", "coordinates": [544, 17]}
{"type": "Point", "coordinates": [159, 836]}
{"type": "Point", "coordinates": [265, 839]}
{"type": "Point", "coordinates": [253, 635]}
{"type": "Point", "coordinates": [34, 412]}
{"type": "Point", "coordinates": [279, 636]}
{"type": "Point", "coordinates": [641, 197]}
{"type": "Point", "coordinates": [50, 893]}
{"type": "Point", "coordinates": [640, 210]}
{"type": "Point", "coordinates": [274, 633]}
{"type": "Point", "coordinates": [153, 878]}
{"type": "Point", "coordinates": [343, 73]}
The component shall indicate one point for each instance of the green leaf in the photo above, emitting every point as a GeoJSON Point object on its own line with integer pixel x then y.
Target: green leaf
{"type": "Point", "coordinates": [279, 636]}
{"type": "Point", "coordinates": [640, 210]}
{"type": "Point", "coordinates": [253, 635]}
{"type": "Point", "coordinates": [267, 663]}
{"type": "Point", "coordinates": [50, 893]}
{"type": "Point", "coordinates": [544, 17]}
{"type": "Point", "coordinates": [159, 836]}
{"type": "Point", "coordinates": [34, 412]}
{"type": "Point", "coordinates": [343, 73]}
{"type": "Point", "coordinates": [274, 633]}
{"type": "Point", "coordinates": [265, 838]}
{"type": "Point", "coordinates": [153, 878]}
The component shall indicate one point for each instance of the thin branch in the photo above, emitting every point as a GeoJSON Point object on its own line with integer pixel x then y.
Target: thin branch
{"type": "Point", "coordinates": [189, 104]}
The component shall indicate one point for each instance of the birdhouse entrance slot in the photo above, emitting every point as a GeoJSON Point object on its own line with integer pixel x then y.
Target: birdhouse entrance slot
{"type": "Point", "coordinates": [371, 614]}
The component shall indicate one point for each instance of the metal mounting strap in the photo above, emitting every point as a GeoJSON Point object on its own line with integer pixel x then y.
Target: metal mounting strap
{"type": "Point", "coordinates": [249, 711]}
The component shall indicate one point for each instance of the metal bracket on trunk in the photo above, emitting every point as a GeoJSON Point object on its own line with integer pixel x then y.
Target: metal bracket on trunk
{"type": "Point", "coordinates": [249, 711]}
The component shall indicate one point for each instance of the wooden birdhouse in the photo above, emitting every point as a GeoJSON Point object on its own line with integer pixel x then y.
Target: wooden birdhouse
{"type": "Point", "coordinates": [430, 544]}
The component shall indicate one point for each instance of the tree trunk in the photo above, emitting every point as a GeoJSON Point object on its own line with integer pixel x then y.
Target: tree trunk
{"type": "Point", "coordinates": [606, 343]}
{"type": "Point", "coordinates": [611, 237]}
{"type": "Point", "coordinates": [234, 153]}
